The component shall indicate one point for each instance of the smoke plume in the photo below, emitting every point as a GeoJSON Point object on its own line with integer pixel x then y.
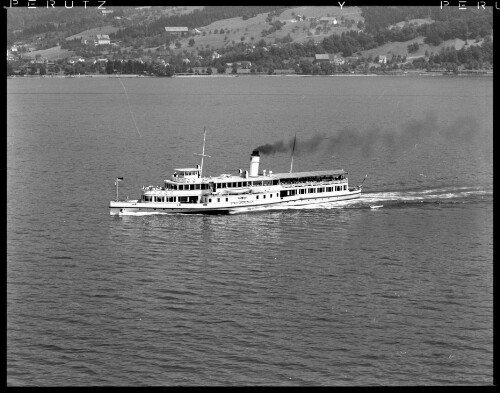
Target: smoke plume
{"type": "Point", "coordinates": [349, 138]}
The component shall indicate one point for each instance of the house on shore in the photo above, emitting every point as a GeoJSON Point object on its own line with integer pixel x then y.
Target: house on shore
{"type": "Point", "coordinates": [329, 58]}
{"type": "Point", "coordinates": [328, 20]}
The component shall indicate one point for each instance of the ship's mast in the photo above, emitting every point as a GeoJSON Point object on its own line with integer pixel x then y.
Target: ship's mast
{"type": "Point", "coordinates": [203, 152]}
{"type": "Point", "coordinates": [293, 149]}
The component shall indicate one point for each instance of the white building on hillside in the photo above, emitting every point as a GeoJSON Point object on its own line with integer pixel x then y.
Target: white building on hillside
{"type": "Point", "coordinates": [102, 39]}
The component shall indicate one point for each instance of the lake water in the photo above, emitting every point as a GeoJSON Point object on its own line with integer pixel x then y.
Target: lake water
{"type": "Point", "coordinates": [338, 294]}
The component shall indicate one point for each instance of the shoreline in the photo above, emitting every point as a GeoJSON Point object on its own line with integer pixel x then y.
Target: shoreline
{"type": "Point", "coordinates": [430, 74]}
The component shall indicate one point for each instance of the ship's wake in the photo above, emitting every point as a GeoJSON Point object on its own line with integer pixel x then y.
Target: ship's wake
{"type": "Point", "coordinates": [377, 200]}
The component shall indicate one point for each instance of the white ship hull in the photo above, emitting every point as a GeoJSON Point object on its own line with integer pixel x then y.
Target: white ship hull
{"type": "Point", "coordinates": [231, 207]}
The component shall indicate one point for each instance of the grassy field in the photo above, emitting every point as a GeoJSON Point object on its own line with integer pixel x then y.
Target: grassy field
{"type": "Point", "coordinates": [401, 48]}
{"type": "Point", "coordinates": [92, 32]}
{"type": "Point", "coordinates": [253, 27]}
{"type": "Point", "coordinates": [50, 54]}
{"type": "Point", "coordinates": [416, 22]}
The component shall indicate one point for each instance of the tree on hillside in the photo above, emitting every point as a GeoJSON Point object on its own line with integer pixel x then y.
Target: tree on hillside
{"type": "Point", "coordinates": [413, 47]}
{"type": "Point", "coordinates": [109, 67]}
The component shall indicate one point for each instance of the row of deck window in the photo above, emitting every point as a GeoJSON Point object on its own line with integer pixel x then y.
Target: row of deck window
{"type": "Point", "coordinates": [192, 199]}
{"type": "Point", "coordinates": [313, 190]}
{"type": "Point", "coordinates": [182, 199]}
{"type": "Point", "coordinates": [234, 184]}
{"type": "Point", "coordinates": [247, 183]}
{"type": "Point", "coordinates": [227, 199]}
{"type": "Point", "coordinates": [186, 187]}
{"type": "Point", "coordinates": [149, 198]}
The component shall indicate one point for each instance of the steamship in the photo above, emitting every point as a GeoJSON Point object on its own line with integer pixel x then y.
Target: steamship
{"type": "Point", "coordinates": [187, 191]}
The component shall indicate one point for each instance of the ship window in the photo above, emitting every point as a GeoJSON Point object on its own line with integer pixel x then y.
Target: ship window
{"type": "Point", "coordinates": [235, 184]}
{"type": "Point", "coordinates": [218, 199]}
{"type": "Point", "coordinates": [257, 197]}
{"type": "Point", "coordinates": [320, 189]}
{"type": "Point", "coordinates": [226, 199]}
{"type": "Point", "coordinates": [210, 199]}
{"type": "Point", "coordinates": [239, 184]}
{"type": "Point", "coordinates": [277, 194]}
{"type": "Point", "coordinates": [264, 197]}
{"type": "Point", "coordinates": [218, 185]}
{"type": "Point", "coordinates": [197, 186]}
{"type": "Point", "coordinates": [244, 184]}
{"type": "Point", "coordinates": [183, 199]}
{"type": "Point", "coordinates": [191, 186]}
{"type": "Point", "coordinates": [257, 183]}
{"type": "Point", "coordinates": [345, 187]}
{"type": "Point", "coordinates": [223, 185]}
